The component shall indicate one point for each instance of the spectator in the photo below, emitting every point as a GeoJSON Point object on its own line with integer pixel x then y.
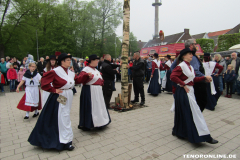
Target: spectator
{"type": "Point", "coordinates": [149, 68]}
{"type": "Point", "coordinates": [10, 62]}
{"type": "Point", "coordinates": [100, 64]}
{"type": "Point", "coordinates": [41, 65]}
{"type": "Point", "coordinates": [218, 58]}
{"type": "Point", "coordinates": [2, 81]}
{"type": "Point", "coordinates": [230, 77]}
{"type": "Point", "coordinates": [235, 62]}
{"type": "Point", "coordinates": [24, 66]}
{"type": "Point", "coordinates": [30, 59]}
{"type": "Point", "coordinates": [24, 59]}
{"type": "Point", "coordinates": [3, 69]}
{"type": "Point", "coordinates": [129, 70]}
{"type": "Point", "coordinates": [86, 61]}
{"type": "Point", "coordinates": [227, 59]}
{"type": "Point", "coordinates": [118, 76]}
{"type": "Point", "coordinates": [12, 76]}
{"type": "Point", "coordinates": [19, 76]}
{"type": "Point", "coordinates": [7, 58]}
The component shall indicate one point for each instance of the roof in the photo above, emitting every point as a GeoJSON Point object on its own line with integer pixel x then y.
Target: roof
{"type": "Point", "coordinates": [141, 44]}
{"type": "Point", "coordinates": [215, 38]}
{"type": "Point", "coordinates": [218, 33]}
{"type": "Point", "coordinates": [198, 36]}
{"type": "Point", "coordinates": [234, 30]}
{"type": "Point", "coordinates": [168, 40]}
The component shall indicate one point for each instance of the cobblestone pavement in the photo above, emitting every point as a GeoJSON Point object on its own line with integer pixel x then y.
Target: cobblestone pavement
{"type": "Point", "coordinates": [139, 134]}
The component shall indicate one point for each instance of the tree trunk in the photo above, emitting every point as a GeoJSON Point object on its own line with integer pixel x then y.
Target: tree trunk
{"type": "Point", "coordinates": [125, 49]}
{"type": "Point", "coordinates": [1, 51]}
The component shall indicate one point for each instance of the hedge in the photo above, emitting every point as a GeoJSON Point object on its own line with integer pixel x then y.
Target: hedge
{"type": "Point", "coordinates": [207, 45]}
{"type": "Point", "coordinates": [228, 40]}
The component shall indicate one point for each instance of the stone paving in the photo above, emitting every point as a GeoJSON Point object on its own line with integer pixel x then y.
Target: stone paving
{"type": "Point", "coordinates": [139, 134]}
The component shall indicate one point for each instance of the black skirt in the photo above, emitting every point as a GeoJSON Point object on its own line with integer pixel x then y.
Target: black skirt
{"type": "Point", "coordinates": [169, 82]}
{"type": "Point", "coordinates": [45, 133]}
{"type": "Point", "coordinates": [85, 120]}
{"type": "Point", "coordinates": [184, 126]}
{"type": "Point", "coordinates": [154, 87]}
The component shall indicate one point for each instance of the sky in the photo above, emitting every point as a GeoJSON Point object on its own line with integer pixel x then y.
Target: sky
{"type": "Point", "coordinates": [199, 16]}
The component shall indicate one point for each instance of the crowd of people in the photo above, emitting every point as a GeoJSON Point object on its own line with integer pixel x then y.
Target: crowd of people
{"type": "Point", "coordinates": [196, 84]}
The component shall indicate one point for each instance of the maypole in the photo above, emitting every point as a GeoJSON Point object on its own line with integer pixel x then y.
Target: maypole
{"type": "Point", "coordinates": [124, 56]}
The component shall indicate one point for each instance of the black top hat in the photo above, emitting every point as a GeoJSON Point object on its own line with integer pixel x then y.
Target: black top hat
{"type": "Point", "coordinates": [206, 54]}
{"type": "Point", "coordinates": [92, 57]}
{"type": "Point", "coordinates": [168, 56]}
{"type": "Point", "coordinates": [62, 57]}
{"type": "Point", "coordinates": [155, 55]}
{"type": "Point", "coordinates": [52, 57]}
{"type": "Point", "coordinates": [185, 51]}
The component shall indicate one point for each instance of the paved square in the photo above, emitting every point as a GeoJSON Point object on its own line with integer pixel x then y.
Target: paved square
{"type": "Point", "coordinates": [139, 134]}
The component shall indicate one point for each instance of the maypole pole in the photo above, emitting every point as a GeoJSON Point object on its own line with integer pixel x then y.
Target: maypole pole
{"type": "Point", "coordinates": [124, 56]}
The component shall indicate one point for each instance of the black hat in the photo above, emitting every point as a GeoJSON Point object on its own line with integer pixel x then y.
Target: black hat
{"type": "Point", "coordinates": [62, 57]}
{"type": "Point", "coordinates": [52, 57]}
{"type": "Point", "coordinates": [185, 51]}
{"type": "Point", "coordinates": [206, 54]}
{"type": "Point", "coordinates": [168, 56]}
{"type": "Point", "coordinates": [155, 55]}
{"type": "Point", "coordinates": [92, 57]}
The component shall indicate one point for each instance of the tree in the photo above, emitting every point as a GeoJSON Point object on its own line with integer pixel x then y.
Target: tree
{"type": "Point", "coordinates": [11, 19]}
{"type": "Point", "coordinates": [125, 51]}
{"type": "Point", "coordinates": [76, 27]}
{"type": "Point", "coordinates": [109, 13]}
{"type": "Point", "coordinates": [133, 47]}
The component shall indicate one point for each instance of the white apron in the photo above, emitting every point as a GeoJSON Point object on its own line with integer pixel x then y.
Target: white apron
{"type": "Point", "coordinates": [198, 118]}
{"type": "Point", "coordinates": [32, 91]}
{"type": "Point", "coordinates": [99, 111]}
{"type": "Point", "coordinates": [164, 81]}
{"type": "Point", "coordinates": [209, 67]}
{"type": "Point", "coordinates": [45, 94]}
{"type": "Point", "coordinates": [158, 63]}
{"type": "Point", "coordinates": [64, 122]}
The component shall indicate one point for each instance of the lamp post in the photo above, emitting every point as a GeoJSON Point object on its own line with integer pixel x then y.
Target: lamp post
{"type": "Point", "coordinates": [37, 46]}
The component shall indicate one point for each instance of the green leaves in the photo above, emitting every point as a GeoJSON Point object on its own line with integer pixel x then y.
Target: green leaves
{"type": "Point", "coordinates": [228, 40]}
{"type": "Point", "coordinates": [207, 45]}
{"type": "Point", "coordinates": [76, 27]}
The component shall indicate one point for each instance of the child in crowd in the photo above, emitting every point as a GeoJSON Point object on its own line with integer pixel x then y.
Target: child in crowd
{"type": "Point", "coordinates": [229, 78]}
{"type": "Point", "coordinates": [31, 100]}
{"type": "Point", "coordinates": [12, 76]}
{"type": "Point", "coordinates": [129, 70]}
{"type": "Point", "coordinates": [2, 81]}
{"type": "Point", "coordinates": [20, 76]}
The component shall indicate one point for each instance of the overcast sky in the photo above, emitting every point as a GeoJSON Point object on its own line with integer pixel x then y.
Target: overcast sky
{"type": "Point", "coordinates": [199, 16]}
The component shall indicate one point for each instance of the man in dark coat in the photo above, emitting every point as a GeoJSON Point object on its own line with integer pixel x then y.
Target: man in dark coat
{"type": "Point", "coordinates": [108, 73]}
{"type": "Point", "coordinates": [41, 65]}
{"type": "Point", "coordinates": [138, 72]}
{"type": "Point", "coordinates": [235, 62]}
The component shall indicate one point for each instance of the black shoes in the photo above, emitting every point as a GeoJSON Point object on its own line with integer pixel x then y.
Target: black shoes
{"type": "Point", "coordinates": [212, 141]}
{"type": "Point", "coordinates": [142, 103]}
{"type": "Point", "coordinates": [84, 128]}
{"type": "Point", "coordinates": [26, 117]}
{"type": "Point", "coordinates": [35, 115]}
{"type": "Point", "coordinates": [71, 148]}
{"type": "Point", "coordinates": [134, 101]}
